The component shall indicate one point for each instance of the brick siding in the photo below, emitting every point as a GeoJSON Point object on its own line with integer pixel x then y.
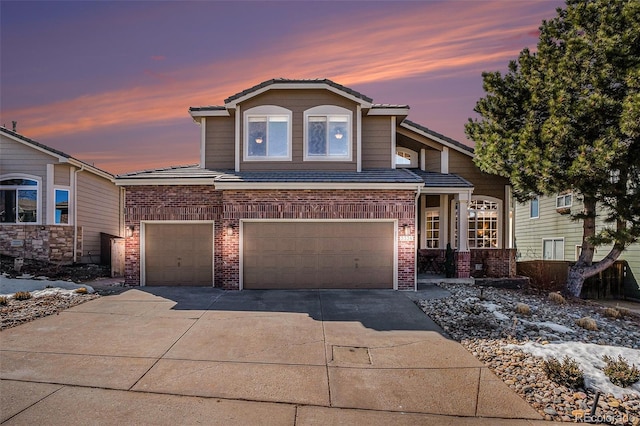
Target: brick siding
{"type": "Point", "coordinates": [228, 207]}
{"type": "Point", "coordinates": [495, 263]}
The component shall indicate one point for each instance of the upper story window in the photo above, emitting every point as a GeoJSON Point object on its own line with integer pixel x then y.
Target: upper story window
{"type": "Point", "coordinates": [19, 200]}
{"type": "Point", "coordinates": [534, 208]}
{"type": "Point", "coordinates": [563, 201]}
{"type": "Point", "coordinates": [267, 134]}
{"type": "Point", "coordinates": [327, 134]}
{"type": "Point", "coordinates": [406, 158]}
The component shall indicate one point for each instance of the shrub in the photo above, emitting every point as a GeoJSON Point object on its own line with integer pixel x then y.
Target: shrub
{"type": "Point", "coordinates": [566, 373]}
{"type": "Point", "coordinates": [523, 309]}
{"type": "Point", "coordinates": [81, 290]}
{"type": "Point", "coordinates": [611, 313]}
{"type": "Point", "coordinates": [556, 297]}
{"type": "Point", "coordinates": [3, 300]}
{"type": "Point", "coordinates": [620, 372]}
{"type": "Point", "coordinates": [587, 323]}
{"type": "Point", "coordinates": [22, 295]}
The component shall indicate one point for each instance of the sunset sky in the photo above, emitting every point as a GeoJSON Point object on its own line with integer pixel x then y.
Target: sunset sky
{"type": "Point", "coordinates": [111, 82]}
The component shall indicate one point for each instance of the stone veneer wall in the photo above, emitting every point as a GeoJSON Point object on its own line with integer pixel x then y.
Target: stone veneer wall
{"type": "Point", "coordinates": [48, 243]}
{"type": "Point", "coordinates": [227, 207]}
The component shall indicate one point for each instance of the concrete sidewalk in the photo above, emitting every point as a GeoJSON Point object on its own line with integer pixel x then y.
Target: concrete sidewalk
{"type": "Point", "coordinates": [206, 356]}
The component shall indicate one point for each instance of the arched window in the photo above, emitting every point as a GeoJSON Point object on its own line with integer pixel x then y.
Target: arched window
{"type": "Point", "coordinates": [406, 158]}
{"type": "Point", "coordinates": [327, 134]}
{"type": "Point", "coordinates": [267, 134]}
{"type": "Point", "coordinates": [19, 199]}
{"type": "Point", "coordinates": [484, 223]}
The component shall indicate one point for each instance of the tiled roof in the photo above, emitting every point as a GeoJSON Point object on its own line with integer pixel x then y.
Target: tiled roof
{"type": "Point", "coordinates": [367, 176]}
{"type": "Point", "coordinates": [195, 172]}
{"type": "Point", "coordinates": [173, 172]}
{"type": "Point", "coordinates": [442, 180]}
{"type": "Point", "coordinates": [49, 149]}
{"type": "Point", "coordinates": [438, 135]}
{"type": "Point", "coordinates": [389, 106]}
{"type": "Point", "coordinates": [301, 81]}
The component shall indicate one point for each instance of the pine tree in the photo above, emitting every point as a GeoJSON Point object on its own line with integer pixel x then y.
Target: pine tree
{"type": "Point", "coordinates": [567, 117]}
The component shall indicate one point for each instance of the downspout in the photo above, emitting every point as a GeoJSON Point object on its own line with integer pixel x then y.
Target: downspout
{"type": "Point", "coordinates": [416, 203]}
{"type": "Point", "coordinates": [75, 213]}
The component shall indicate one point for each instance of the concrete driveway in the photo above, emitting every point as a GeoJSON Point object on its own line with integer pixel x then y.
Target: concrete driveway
{"type": "Point", "coordinates": [206, 356]}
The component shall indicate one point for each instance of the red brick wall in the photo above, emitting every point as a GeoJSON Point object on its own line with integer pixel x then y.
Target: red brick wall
{"type": "Point", "coordinates": [463, 267]}
{"type": "Point", "coordinates": [496, 263]}
{"type": "Point", "coordinates": [226, 208]}
{"type": "Point", "coordinates": [169, 203]}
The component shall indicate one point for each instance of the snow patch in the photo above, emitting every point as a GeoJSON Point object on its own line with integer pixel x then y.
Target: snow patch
{"type": "Point", "coordinates": [589, 358]}
{"type": "Point", "coordinates": [493, 308]}
{"type": "Point", "coordinates": [38, 287]}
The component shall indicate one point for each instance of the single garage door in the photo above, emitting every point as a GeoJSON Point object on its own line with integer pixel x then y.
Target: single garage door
{"type": "Point", "coordinates": [178, 254]}
{"type": "Point", "coordinates": [318, 255]}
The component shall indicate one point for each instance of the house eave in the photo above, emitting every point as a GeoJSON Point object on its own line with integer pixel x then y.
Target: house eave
{"type": "Point", "coordinates": [316, 185]}
{"type": "Point", "coordinates": [163, 181]}
{"type": "Point", "coordinates": [297, 86]}
{"type": "Point", "coordinates": [389, 111]}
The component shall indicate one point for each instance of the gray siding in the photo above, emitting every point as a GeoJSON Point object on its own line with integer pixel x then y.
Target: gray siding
{"type": "Point", "coordinates": [62, 175]}
{"type": "Point", "coordinates": [98, 211]}
{"type": "Point", "coordinates": [299, 101]}
{"type": "Point", "coordinates": [483, 183]}
{"type": "Point", "coordinates": [432, 161]}
{"type": "Point", "coordinates": [220, 143]}
{"type": "Point", "coordinates": [376, 142]}
{"type": "Point", "coordinates": [551, 224]}
{"type": "Point", "coordinates": [19, 158]}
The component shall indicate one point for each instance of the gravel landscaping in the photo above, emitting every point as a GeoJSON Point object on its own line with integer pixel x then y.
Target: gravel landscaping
{"type": "Point", "coordinates": [513, 333]}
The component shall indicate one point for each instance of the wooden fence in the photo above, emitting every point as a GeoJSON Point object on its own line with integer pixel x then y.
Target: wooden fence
{"type": "Point", "coordinates": [551, 275]}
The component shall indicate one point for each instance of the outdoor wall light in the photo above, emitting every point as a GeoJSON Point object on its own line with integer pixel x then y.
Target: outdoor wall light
{"type": "Point", "coordinates": [405, 229]}
{"type": "Point", "coordinates": [129, 231]}
{"type": "Point", "coordinates": [229, 231]}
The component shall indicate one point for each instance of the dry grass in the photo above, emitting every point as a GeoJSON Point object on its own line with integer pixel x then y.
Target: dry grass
{"type": "Point", "coordinates": [556, 297]}
{"type": "Point", "coordinates": [22, 295]}
{"type": "Point", "coordinates": [611, 313]}
{"type": "Point", "coordinates": [523, 309]}
{"type": "Point", "coordinates": [587, 323]}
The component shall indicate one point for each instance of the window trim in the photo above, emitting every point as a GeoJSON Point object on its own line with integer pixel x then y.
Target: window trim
{"type": "Point", "coordinates": [553, 239]}
{"type": "Point", "coordinates": [54, 206]}
{"type": "Point", "coordinates": [454, 217]}
{"type": "Point", "coordinates": [327, 111]}
{"type": "Point", "coordinates": [413, 158]}
{"type": "Point", "coordinates": [563, 197]}
{"type": "Point", "coordinates": [537, 216]}
{"type": "Point", "coordinates": [266, 111]}
{"type": "Point", "coordinates": [38, 188]}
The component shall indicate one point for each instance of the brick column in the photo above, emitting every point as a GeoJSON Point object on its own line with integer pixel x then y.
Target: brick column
{"type": "Point", "coordinates": [463, 264]}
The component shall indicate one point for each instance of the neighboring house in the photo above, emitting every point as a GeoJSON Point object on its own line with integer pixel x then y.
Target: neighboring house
{"type": "Point", "coordinates": [54, 207]}
{"type": "Point", "coordinates": [545, 231]}
{"type": "Point", "coordinates": [309, 184]}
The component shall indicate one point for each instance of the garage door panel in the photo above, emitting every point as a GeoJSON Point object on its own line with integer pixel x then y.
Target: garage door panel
{"type": "Point", "coordinates": [318, 254]}
{"type": "Point", "coordinates": [178, 254]}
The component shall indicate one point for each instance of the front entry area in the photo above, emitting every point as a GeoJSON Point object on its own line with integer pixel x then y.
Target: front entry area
{"type": "Point", "coordinates": [178, 254]}
{"type": "Point", "coordinates": [318, 254]}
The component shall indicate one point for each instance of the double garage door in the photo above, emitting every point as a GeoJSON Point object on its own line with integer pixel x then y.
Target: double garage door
{"type": "Point", "coordinates": [280, 254]}
{"type": "Point", "coordinates": [305, 254]}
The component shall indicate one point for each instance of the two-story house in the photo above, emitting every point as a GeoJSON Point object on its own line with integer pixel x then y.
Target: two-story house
{"type": "Point", "coordinates": [544, 231]}
{"type": "Point", "coordinates": [54, 207]}
{"type": "Point", "coordinates": [309, 184]}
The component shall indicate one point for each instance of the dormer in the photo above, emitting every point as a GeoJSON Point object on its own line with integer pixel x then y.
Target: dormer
{"type": "Point", "coordinates": [285, 124]}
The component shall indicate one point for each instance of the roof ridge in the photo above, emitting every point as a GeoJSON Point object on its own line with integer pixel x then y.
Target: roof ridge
{"type": "Point", "coordinates": [159, 169]}
{"type": "Point", "coordinates": [439, 135]}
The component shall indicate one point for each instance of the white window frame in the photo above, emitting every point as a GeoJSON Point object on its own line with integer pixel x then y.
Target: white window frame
{"type": "Point", "coordinates": [38, 189]}
{"type": "Point", "coordinates": [561, 201]}
{"type": "Point", "coordinates": [429, 214]}
{"type": "Point", "coordinates": [537, 200]}
{"type": "Point", "coordinates": [328, 111]}
{"type": "Point", "coordinates": [266, 111]}
{"type": "Point", "coordinates": [413, 157]}
{"type": "Point", "coordinates": [54, 207]}
{"type": "Point", "coordinates": [454, 222]}
{"type": "Point", "coordinates": [554, 240]}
